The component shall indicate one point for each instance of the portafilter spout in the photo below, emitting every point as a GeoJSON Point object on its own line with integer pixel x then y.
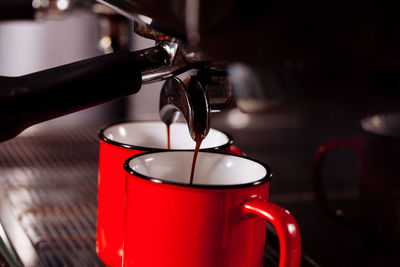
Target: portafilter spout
{"type": "Point", "coordinates": [187, 98]}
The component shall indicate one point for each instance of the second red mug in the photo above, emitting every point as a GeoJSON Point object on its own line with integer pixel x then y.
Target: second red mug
{"type": "Point", "coordinates": [378, 147]}
{"type": "Point", "coordinates": [117, 143]}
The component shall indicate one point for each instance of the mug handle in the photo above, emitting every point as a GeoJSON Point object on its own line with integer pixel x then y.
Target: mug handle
{"type": "Point", "coordinates": [286, 227]}
{"type": "Point", "coordinates": [317, 177]}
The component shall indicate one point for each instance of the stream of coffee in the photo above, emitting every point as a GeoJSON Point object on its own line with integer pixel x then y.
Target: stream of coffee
{"type": "Point", "coordinates": [196, 151]}
{"type": "Point", "coordinates": [199, 139]}
{"type": "Point", "coordinates": [168, 137]}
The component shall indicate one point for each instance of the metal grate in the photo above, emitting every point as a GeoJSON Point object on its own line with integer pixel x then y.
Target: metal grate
{"type": "Point", "coordinates": [48, 186]}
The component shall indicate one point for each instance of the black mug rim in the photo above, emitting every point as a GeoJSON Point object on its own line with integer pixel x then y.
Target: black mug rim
{"type": "Point", "coordinates": [102, 136]}
{"type": "Point", "coordinates": [265, 179]}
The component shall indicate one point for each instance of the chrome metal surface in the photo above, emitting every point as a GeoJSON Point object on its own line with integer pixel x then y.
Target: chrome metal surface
{"type": "Point", "coordinates": [181, 58]}
{"type": "Point", "coordinates": [176, 65]}
{"type": "Point", "coordinates": [195, 98]}
{"type": "Point", "coordinates": [187, 98]}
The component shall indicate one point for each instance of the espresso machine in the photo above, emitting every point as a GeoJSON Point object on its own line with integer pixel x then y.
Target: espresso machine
{"type": "Point", "coordinates": [209, 37]}
{"type": "Point", "coordinates": [251, 60]}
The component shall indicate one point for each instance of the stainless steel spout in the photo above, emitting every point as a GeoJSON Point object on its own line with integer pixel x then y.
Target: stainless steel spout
{"type": "Point", "coordinates": [186, 98]}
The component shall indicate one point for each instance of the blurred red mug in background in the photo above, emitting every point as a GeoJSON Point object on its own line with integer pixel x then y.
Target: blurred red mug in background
{"type": "Point", "coordinates": [378, 147]}
{"type": "Point", "coordinates": [219, 220]}
{"type": "Point", "coordinates": [117, 143]}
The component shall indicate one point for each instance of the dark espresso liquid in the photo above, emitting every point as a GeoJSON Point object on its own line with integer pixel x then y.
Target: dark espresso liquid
{"type": "Point", "coordinates": [196, 151]}
{"type": "Point", "coordinates": [168, 137]}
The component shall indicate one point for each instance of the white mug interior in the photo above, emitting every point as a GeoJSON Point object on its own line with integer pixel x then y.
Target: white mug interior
{"type": "Point", "coordinates": [211, 168]}
{"type": "Point", "coordinates": [154, 135]}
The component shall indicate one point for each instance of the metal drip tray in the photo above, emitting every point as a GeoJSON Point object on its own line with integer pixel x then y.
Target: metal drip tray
{"type": "Point", "coordinates": [48, 197]}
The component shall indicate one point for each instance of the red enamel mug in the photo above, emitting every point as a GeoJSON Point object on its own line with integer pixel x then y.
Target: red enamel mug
{"type": "Point", "coordinates": [220, 220]}
{"type": "Point", "coordinates": [117, 143]}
